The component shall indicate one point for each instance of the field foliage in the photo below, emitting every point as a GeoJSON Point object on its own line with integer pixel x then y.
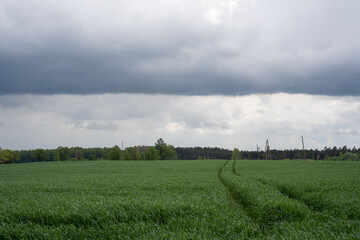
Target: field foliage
{"type": "Point", "coordinates": [207, 199]}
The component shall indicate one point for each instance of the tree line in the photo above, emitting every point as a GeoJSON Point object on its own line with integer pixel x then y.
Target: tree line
{"type": "Point", "coordinates": [164, 151]}
{"type": "Point", "coordinates": [311, 154]}
{"type": "Point", "coordinates": [192, 153]}
{"type": "Point", "coordinates": [9, 156]}
{"type": "Point", "coordinates": [336, 153]}
{"type": "Point", "coordinates": [160, 151]}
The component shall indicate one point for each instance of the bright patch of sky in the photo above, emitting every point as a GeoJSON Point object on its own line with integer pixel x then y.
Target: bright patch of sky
{"type": "Point", "coordinates": [43, 121]}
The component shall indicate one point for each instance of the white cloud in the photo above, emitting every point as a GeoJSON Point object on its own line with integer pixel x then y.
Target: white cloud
{"type": "Point", "coordinates": [97, 125]}
{"type": "Point", "coordinates": [213, 16]}
{"type": "Point", "coordinates": [48, 121]}
{"type": "Point", "coordinates": [174, 127]}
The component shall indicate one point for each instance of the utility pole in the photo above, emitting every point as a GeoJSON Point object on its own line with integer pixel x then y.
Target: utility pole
{"type": "Point", "coordinates": [258, 151]}
{"type": "Point", "coordinates": [267, 153]}
{"type": "Point", "coordinates": [302, 140]}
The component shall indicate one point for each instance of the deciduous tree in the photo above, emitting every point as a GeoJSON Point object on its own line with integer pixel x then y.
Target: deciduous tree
{"type": "Point", "coordinates": [236, 154]}
{"type": "Point", "coordinates": [64, 152]}
{"type": "Point", "coordinates": [152, 154]}
{"type": "Point", "coordinates": [40, 155]}
{"type": "Point", "coordinates": [135, 154]}
{"type": "Point", "coordinates": [127, 155]}
{"type": "Point", "coordinates": [115, 153]}
{"type": "Point", "coordinates": [57, 156]}
{"type": "Point", "coordinates": [166, 152]}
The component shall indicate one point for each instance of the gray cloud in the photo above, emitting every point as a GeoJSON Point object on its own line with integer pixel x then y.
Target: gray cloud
{"type": "Point", "coordinates": [94, 125]}
{"type": "Point", "coordinates": [180, 47]}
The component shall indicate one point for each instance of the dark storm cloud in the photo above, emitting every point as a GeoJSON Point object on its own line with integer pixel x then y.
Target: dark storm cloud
{"type": "Point", "coordinates": [212, 47]}
{"type": "Point", "coordinates": [85, 74]}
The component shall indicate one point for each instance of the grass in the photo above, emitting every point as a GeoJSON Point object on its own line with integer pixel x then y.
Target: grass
{"type": "Point", "coordinates": [212, 199]}
{"type": "Point", "coordinates": [327, 193]}
{"type": "Point", "coordinates": [263, 203]}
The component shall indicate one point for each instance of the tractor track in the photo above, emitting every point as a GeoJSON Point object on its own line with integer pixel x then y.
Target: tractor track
{"type": "Point", "coordinates": [234, 198]}
{"type": "Point", "coordinates": [282, 191]}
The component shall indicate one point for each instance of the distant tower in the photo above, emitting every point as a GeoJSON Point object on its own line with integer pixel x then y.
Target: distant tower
{"type": "Point", "coordinates": [267, 153]}
{"type": "Point", "coordinates": [258, 151]}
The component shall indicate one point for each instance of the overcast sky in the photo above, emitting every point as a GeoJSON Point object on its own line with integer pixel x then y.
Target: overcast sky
{"type": "Point", "coordinates": [206, 73]}
{"type": "Point", "coordinates": [49, 121]}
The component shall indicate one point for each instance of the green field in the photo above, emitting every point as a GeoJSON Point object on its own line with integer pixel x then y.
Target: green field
{"type": "Point", "coordinates": [205, 199]}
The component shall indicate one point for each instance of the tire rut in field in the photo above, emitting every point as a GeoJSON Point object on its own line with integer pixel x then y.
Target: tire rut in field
{"type": "Point", "coordinates": [234, 169]}
{"type": "Point", "coordinates": [280, 210]}
{"type": "Point", "coordinates": [284, 192]}
{"type": "Point", "coordinates": [316, 206]}
{"type": "Point", "coordinates": [233, 196]}
{"type": "Point", "coordinates": [262, 181]}
{"type": "Point", "coordinates": [313, 208]}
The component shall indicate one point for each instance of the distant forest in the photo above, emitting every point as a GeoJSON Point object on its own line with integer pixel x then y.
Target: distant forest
{"type": "Point", "coordinates": [163, 151]}
{"type": "Point", "coordinates": [327, 153]}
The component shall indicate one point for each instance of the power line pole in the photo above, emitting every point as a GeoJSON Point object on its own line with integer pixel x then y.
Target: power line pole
{"type": "Point", "coordinates": [258, 151]}
{"type": "Point", "coordinates": [302, 140]}
{"type": "Point", "coordinates": [267, 153]}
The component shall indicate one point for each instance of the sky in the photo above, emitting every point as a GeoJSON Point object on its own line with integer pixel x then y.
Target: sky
{"type": "Point", "coordinates": [224, 73]}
